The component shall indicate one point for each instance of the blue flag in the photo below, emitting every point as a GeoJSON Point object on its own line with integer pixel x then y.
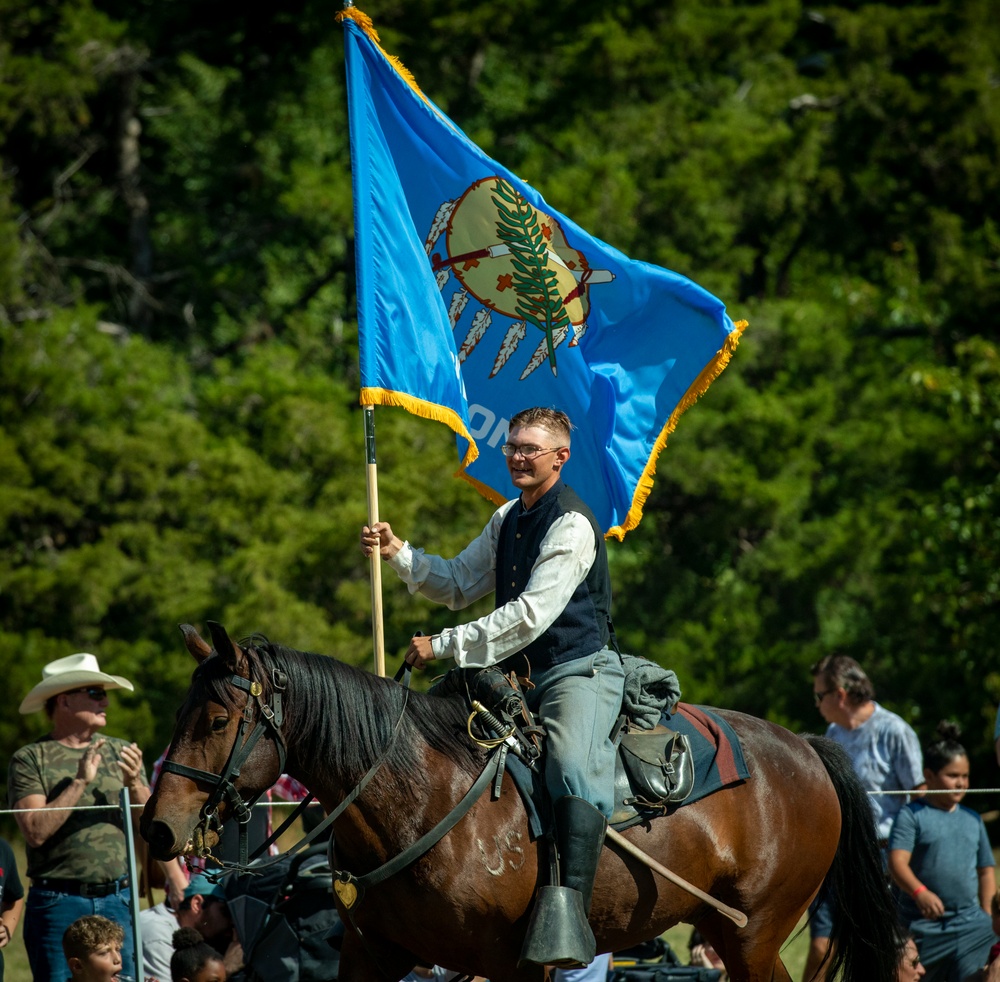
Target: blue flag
{"type": "Point", "coordinates": [477, 299]}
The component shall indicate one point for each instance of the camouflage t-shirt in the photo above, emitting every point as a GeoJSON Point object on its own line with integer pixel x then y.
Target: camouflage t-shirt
{"type": "Point", "coordinates": [90, 846]}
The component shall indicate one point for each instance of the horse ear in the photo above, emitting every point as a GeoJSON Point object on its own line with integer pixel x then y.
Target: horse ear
{"type": "Point", "coordinates": [222, 644]}
{"type": "Point", "coordinates": [194, 643]}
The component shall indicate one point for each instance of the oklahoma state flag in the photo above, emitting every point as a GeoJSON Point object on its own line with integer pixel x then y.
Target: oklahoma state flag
{"type": "Point", "coordinates": [477, 299]}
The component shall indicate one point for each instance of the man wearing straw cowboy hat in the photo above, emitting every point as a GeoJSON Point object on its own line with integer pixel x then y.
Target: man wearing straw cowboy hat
{"type": "Point", "coordinates": [76, 855]}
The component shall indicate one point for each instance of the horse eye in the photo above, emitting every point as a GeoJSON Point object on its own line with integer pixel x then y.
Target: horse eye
{"type": "Point", "coordinates": [220, 723]}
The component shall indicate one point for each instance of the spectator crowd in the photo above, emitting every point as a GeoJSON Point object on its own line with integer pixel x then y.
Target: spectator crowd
{"type": "Point", "coordinates": [65, 790]}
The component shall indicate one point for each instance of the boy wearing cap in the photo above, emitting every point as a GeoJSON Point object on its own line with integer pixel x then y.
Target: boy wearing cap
{"type": "Point", "coordinates": [76, 858]}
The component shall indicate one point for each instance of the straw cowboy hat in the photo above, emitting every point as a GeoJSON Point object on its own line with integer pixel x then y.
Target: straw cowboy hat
{"type": "Point", "coordinates": [71, 672]}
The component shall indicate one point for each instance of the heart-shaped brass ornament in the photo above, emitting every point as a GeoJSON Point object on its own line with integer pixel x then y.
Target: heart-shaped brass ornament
{"type": "Point", "coordinates": [346, 891]}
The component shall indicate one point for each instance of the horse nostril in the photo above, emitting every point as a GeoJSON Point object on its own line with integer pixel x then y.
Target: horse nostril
{"type": "Point", "coordinates": [160, 839]}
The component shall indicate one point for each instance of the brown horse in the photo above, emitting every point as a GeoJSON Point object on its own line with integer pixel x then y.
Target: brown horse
{"type": "Point", "coordinates": [763, 846]}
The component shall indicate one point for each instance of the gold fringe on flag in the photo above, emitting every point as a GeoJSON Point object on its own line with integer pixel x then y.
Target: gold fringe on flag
{"type": "Point", "coordinates": [484, 489]}
{"type": "Point", "coordinates": [365, 23]}
{"type": "Point", "coordinates": [428, 410]}
{"type": "Point", "coordinates": [697, 388]}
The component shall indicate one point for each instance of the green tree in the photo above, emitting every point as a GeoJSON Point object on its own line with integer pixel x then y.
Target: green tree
{"type": "Point", "coordinates": [138, 496]}
{"type": "Point", "coordinates": [178, 351]}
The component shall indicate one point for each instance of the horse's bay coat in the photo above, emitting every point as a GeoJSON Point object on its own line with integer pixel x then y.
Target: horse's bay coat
{"type": "Point", "coordinates": [763, 846]}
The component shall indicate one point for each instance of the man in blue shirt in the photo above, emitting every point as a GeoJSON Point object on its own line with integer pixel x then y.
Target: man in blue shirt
{"type": "Point", "coordinates": [886, 756]}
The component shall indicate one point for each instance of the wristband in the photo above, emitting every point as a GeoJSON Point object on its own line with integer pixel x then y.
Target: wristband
{"type": "Point", "coordinates": [920, 889]}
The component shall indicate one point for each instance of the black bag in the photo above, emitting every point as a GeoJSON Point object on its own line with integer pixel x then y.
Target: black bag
{"type": "Point", "coordinates": [656, 950]}
{"type": "Point", "coordinates": [309, 909]}
{"type": "Point", "coordinates": [659, 765]}
{"type": "Point", "coordinates": [656, 961]}
{"type": "Point", "coordinates": [664, 973]}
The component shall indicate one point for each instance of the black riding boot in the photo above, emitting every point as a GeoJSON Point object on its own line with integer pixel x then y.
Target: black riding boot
{"type": "Point", "coordinates": [559, 933]}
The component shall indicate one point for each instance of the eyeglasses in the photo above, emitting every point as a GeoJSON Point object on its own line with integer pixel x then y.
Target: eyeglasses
{"type": "Point", "coordinates": [93, 691]}
{"type": "Point", "coordinates": [526, 450]}
{"type": "Point", "coordinates": [820, 696]}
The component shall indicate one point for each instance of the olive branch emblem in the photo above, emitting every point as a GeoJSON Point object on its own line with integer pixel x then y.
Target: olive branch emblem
{"type": "Point", "coordinates": [515, 260]}
{"type": "Point", "coordinates": [539, 301]}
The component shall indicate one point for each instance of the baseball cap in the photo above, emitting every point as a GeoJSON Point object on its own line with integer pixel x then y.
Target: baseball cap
{"type": "Point", "coordinates": [201, 884]}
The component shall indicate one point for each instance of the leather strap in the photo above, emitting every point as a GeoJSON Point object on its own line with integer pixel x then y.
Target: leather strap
{"type": "Point", "coordinates": [228, 868]}
{"type": "Point", "coordinates": [429, 839]}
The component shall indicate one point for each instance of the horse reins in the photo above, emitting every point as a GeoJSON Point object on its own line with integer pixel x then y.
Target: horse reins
{"type": "Point", "coordinates": [349, 888]}
{"type": "Point", "coordinates": [225, 790]}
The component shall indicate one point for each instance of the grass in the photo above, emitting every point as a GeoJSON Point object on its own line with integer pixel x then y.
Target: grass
{"type": "Point", "coordinates": [793, 954]}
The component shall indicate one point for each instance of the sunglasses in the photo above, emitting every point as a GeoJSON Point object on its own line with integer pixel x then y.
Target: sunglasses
{"type": "Point", "coordinates": [93, 691]}
{"type": "Point", "coordinates": [820, 696]}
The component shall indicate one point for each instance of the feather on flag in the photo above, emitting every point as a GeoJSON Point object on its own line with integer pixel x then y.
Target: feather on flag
{"type": "Point", "coordinates": [477, 299]}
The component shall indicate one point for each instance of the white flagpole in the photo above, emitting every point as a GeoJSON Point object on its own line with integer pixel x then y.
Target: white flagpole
{"type": "Point", "coordinates": [371, 470]}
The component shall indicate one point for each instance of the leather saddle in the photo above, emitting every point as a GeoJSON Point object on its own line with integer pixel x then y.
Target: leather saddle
{"type": "Point", "coordinates": [654, 770]}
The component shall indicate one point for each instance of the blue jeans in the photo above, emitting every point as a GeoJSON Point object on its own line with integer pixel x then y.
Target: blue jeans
{"type": "Point", "coordinates": [579, 702]}
{"type": "Point", "coordinates": [47, 914]}
{"type": "Point", "coordinates": [596, 971]}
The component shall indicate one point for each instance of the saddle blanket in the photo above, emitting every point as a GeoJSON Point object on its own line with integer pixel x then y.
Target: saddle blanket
{"type": "Point", "coordinates": [718, 763]}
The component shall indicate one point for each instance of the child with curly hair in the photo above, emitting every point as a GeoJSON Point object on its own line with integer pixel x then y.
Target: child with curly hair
{"type": "Point", "coordinates": [93, 949]}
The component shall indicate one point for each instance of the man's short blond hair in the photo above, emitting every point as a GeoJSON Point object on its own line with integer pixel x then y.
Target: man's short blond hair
{"type": "Point", "coordinates": [553, 420]}
{"type": "Point", "coordinates": [89, 934]}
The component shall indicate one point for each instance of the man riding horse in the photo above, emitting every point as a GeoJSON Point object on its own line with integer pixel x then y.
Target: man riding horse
{"type": "Point", "coordinates": [543, 555]}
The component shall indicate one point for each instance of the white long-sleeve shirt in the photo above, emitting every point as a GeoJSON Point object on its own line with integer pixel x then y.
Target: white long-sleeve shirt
{"type": "Point", "coordinates": [564, 559]}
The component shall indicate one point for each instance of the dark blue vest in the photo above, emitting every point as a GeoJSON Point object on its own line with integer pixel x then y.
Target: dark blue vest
{"type": "Point", "coordinates": [584, 626]}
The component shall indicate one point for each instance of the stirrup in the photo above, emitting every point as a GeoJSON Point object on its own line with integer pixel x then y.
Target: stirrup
{"type": "Point", "coordinates": [559, 933]}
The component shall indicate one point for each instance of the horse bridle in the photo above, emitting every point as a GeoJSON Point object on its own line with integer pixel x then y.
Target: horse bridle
{"type": "Point", "coordinates": [247, 736]}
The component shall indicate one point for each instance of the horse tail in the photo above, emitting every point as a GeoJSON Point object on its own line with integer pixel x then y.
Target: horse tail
{"type": "Point", "coordinates": [866, 934]}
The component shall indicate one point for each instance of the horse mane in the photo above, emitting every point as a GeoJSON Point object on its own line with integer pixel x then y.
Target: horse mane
{"type": "Point", "coordinates": [342, 707]}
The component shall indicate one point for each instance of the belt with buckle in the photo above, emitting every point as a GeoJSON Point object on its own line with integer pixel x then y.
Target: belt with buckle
{"type": "Point", "coordinates": [80, 889]}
